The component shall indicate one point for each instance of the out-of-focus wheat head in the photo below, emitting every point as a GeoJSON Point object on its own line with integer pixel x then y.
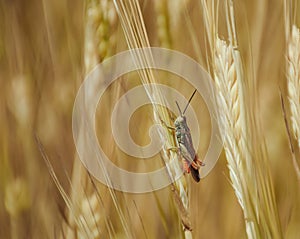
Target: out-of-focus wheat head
{"type": "Point", "coordinates": [90, 217]}
{"type": "Point", "coordinates": [84, 218]}
{"type": "Point", "coordinates": [293, 77]}
{"type": "Point", "coordinates": [100, 37]}
{"type": "Point", "coordinates": [163, 23]}
{"type": "Point", "coordinates": [17, 200]}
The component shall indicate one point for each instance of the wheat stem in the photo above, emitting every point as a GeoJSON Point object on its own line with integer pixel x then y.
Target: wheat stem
{"type": "Point", "coordinates": [136, 36]}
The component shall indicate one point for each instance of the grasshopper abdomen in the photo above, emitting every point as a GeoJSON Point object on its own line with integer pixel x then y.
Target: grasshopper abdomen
{"type": "Point", "coordinates": [186, 148]}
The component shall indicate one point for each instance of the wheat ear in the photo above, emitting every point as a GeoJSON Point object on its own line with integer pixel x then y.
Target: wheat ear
{"type": "Point", "coordinates": [237, 153]}
{"type": "Point", "coordinates": [247, 162]}
{"type": "Point", "coordinates": [293, 78]}
{"type": "Point", "coordinates": [99, 44]}
{"type": "Point", "coordinates": [163, 23]}
{"type": "Point", "coordinates": [292, 36]}
{"type": "Point", "coordinates": [248, 167]}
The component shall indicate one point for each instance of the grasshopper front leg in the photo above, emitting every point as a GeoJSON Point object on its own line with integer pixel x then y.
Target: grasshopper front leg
{"type": "Point", "coordinates": [167, 126]}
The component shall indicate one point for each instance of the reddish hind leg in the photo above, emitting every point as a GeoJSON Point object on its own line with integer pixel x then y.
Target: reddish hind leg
{"type": "Point", "coordinates": [186, 166]}
{"type": "Point", "coordinates": [197, 163]}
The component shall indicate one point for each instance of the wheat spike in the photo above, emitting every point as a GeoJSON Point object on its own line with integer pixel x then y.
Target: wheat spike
{"type": "Point", "coordinates": [292, 37]}
{"type": "Point", "coordinates": [89, 214]}
{"type": "Point", "coordinates": [293, 77]}
{"type": "Point", "coordinates": [247, 167]}
{"type": "Point", "coordinates": [247, 162]}
{"type": "Point", "coordinates": [163, 23]}
{"type": "Point", "coordinates": [100, 40]}
{"type": "Point", "coordinates": [237, 154]}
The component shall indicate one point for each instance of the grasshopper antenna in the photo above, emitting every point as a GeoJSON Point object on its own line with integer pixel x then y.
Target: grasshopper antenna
{"type": "Point", "coordinates": [178, 108]}
{"type": "Point", "coordinates": [188, 102]}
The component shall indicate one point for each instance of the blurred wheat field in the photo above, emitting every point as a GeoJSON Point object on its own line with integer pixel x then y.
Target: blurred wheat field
{"type": "Point", "coordinates": [47, 48]}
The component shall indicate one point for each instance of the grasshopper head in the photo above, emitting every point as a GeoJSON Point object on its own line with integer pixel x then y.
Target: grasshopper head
{"type": "Point", "coordinates": [180, 120]}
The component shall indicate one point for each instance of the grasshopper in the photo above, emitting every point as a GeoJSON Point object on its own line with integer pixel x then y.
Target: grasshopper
{"type": "Point", "coordinates": [191, 162]}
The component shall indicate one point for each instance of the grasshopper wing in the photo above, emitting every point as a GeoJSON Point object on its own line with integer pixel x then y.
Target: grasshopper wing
{"type": "Point", "coordinates": [185, 154]}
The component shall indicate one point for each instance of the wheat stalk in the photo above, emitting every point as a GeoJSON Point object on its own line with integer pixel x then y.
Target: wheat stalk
{"type": "Point", "coordinates": [136, 36]}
